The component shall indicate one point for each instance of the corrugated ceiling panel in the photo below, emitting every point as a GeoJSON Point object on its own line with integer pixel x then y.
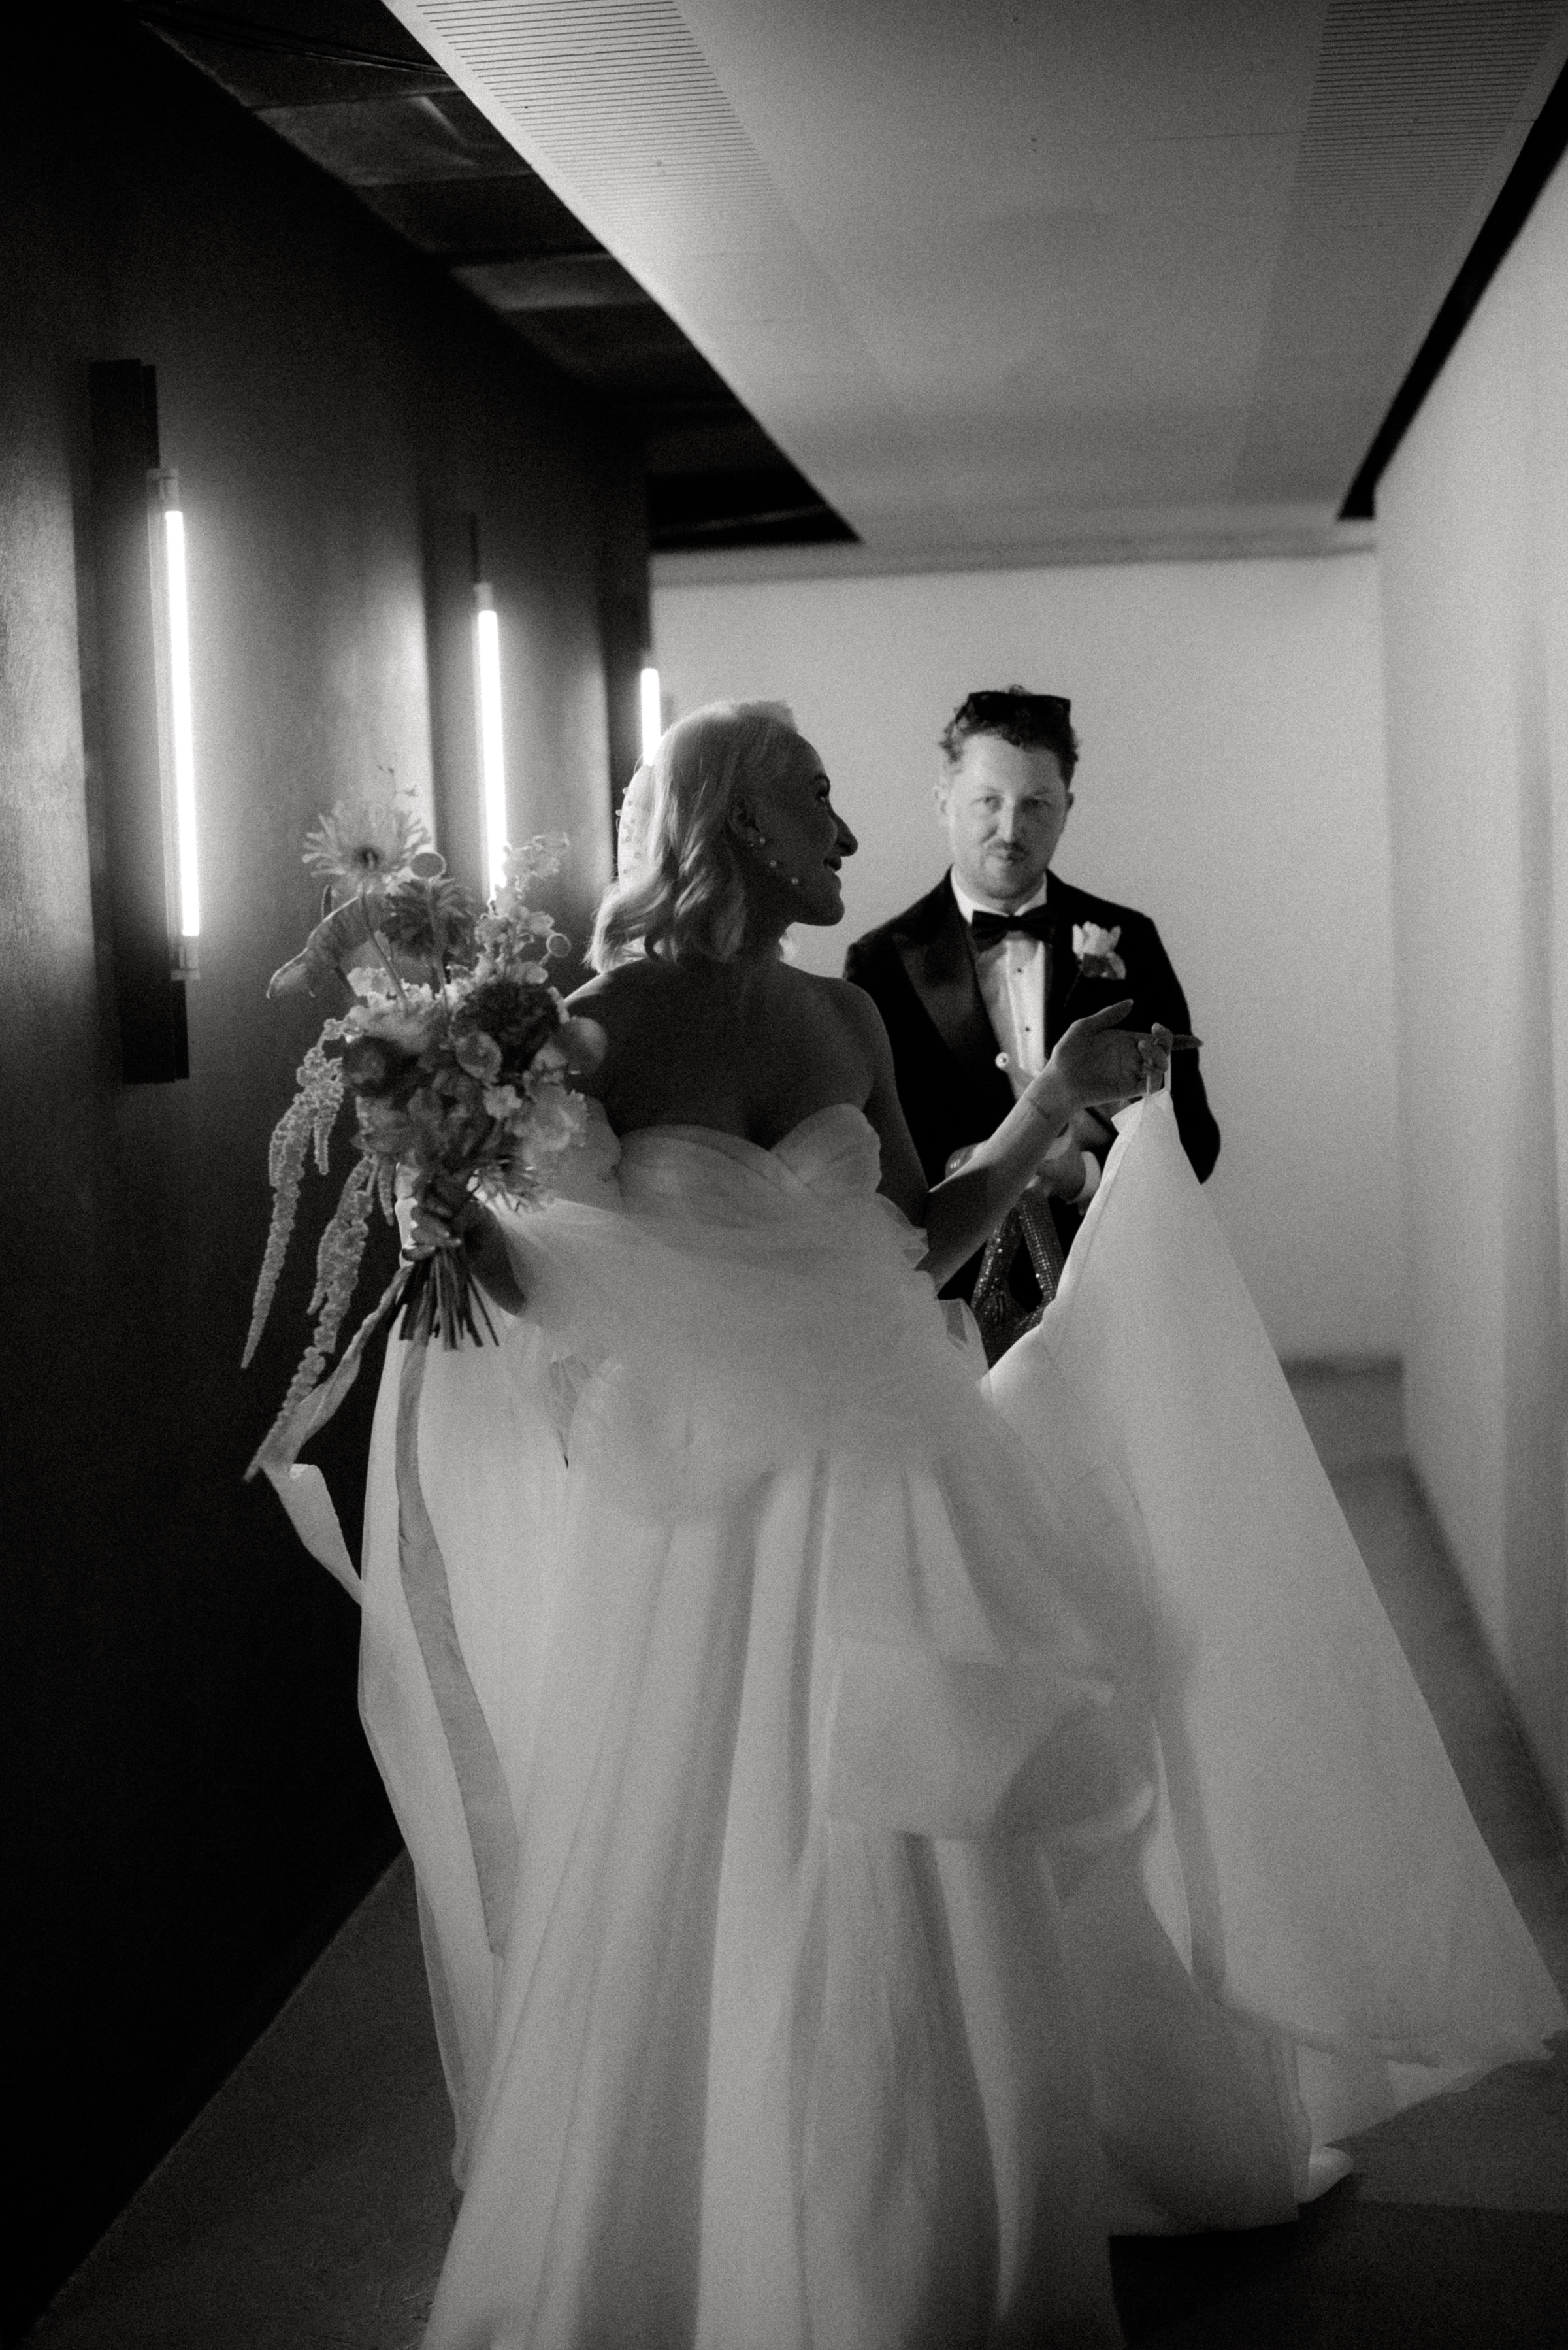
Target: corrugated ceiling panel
{"type": "Point", "coordinates": [615, 105]}
{"type": "Point", "coordinates": [1415, 112]}
{"type": "Point", "coordinates": [993, 275]}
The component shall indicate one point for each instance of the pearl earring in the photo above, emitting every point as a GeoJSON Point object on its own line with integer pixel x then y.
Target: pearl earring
{"type": "Point", "coordinates": [773, 865]}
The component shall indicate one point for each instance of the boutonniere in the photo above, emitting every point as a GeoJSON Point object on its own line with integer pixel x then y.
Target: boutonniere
{"type": "Point", "coordinates": [1096, 952]}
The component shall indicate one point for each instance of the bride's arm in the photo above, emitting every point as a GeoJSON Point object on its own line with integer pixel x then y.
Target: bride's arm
{"type": "Point", "coordinates": [1095, 1061]}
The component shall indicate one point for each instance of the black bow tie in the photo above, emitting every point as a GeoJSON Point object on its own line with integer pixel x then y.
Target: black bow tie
{"type": "Point", "coordinates": [989, 930]}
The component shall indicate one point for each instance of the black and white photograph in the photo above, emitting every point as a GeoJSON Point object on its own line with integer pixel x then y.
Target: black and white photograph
{"type": "Point", "coordinates": [785, 797]}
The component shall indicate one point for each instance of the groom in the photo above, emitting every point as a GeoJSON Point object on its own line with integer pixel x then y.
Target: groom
{"type": "Point", "coordinates": [977, 981]}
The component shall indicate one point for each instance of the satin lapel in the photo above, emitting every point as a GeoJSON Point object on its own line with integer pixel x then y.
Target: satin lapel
{"type": "Point", "coordinates": [941, 972]}
{"type": "Point", "coordinates": [1064, 975]}
{"type": "Point", "coordinates": [1071, 996]}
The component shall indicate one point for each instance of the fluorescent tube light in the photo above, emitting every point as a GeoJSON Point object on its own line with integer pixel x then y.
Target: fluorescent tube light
{"type": "Point", "coordinates": [652, 712]}
{"type": "Point", "coordinates": [491, 758]}
{"type": "Point", "coordinates": [183, 739]}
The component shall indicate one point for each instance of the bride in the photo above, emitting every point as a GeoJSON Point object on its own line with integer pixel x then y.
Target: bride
{"type": "Point", "coordinates": [877, 1830]}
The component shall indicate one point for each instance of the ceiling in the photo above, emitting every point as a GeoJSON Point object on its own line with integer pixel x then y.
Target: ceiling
{"type": "Point", "coordinates": [344, 83]}
{"type": "Point", "coordinates": [980, 279]}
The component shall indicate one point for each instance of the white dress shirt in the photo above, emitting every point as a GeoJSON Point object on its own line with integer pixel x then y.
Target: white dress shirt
{"type": "Point", "coordinates": [1015, 977]}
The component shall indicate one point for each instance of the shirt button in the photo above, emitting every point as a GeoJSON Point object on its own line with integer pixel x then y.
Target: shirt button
{"type": "Point", "coordinates": [1002, 1062]}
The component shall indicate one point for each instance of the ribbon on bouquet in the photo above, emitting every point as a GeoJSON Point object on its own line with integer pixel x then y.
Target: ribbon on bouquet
{"type": "Point", "coordinates": [427, 1588]}
{"type": "Point", "coordinates": [299, 1485]}
{"type": "Point", "coordinates": [302, 1488]}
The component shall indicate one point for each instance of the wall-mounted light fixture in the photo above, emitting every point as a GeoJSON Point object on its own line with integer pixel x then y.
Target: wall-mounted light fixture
{"type": "Point", "coordinates": [452, 567]}
{"type": "Point", "coordinates": [650, 711]}
{"type": "Point", "coordinates": [177, 730]}
{"type": "Point", "coordinates": [467, 738]}
{"type": "Point", "coordinates": [492, 750]}
{"type": "Point", "coordinates": [142, 721]}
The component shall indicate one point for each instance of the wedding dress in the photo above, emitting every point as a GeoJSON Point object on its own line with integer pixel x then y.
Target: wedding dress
{"type": "Point", "coordinates": [878, 1829]}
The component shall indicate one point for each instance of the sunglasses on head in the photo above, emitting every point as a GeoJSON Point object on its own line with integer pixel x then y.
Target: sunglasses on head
{"type": "Point", "coordinates": [1055, 708]}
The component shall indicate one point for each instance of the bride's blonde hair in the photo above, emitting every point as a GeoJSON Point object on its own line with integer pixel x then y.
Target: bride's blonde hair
{"type": "Point", "coordinates": [681, 891]}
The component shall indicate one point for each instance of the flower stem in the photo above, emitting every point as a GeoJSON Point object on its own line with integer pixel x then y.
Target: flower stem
{"type": "Point", "coordinates": [381, 949]}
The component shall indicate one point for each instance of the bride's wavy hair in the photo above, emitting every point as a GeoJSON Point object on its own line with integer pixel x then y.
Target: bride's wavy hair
{"type": "Point", "coordinates": [681, 889]}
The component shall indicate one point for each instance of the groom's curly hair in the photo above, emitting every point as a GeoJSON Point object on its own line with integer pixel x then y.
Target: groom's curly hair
{"type": "Point", "coordinates": [682, 891]}
{"type": "Point", "coordinates": [1034, 721]}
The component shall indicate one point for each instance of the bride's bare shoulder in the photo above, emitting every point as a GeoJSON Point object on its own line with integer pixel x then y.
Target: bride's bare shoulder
{"type": "Point", "coordinates": [851, 1003]}
{"type": "Point", "coordinates": [625, 991]}
{"type": "Point", "coordinates": [627, 1001]}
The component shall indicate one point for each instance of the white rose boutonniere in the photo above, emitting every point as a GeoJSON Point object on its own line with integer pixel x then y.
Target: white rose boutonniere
{"type": "Point", "coordinates": [1096, 952]}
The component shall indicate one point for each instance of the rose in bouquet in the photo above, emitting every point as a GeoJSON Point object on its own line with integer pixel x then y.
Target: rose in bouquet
{"type": "Point", "coordinates": [457, 1055]}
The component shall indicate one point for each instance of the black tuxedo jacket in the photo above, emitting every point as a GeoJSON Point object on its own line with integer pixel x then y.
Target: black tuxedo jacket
{"type": "Point", "coordinates": [919, 971]}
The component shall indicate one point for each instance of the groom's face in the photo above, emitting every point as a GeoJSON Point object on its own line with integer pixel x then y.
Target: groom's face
{"type": "Point", "coordinates": [1003, 810]}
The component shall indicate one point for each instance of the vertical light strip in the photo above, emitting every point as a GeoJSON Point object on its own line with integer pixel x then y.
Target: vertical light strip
{"type": "Point", "coordinates": [180, 720]}
{"type": "Point", "coordinates": [492, 757]}
{"type": "Point", "coordinates": [651, 711]}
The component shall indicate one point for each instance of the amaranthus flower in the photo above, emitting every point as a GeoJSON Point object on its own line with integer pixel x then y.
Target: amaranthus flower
{"type": "Point", "coordinates": [308, 1119]}
{"type": "Point", "coordinates": [338, 1257]}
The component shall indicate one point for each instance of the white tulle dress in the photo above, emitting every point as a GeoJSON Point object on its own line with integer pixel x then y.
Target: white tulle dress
{"type": "Point", "coordinates": [878, 1829]}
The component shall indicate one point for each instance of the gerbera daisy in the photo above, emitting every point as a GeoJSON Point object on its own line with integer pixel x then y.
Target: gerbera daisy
{"type": "Point", "coordinates": [363, 843]}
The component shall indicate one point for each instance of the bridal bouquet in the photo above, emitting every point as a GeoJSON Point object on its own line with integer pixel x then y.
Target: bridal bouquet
{"type": "Point", "coordinates": [456, 1053]}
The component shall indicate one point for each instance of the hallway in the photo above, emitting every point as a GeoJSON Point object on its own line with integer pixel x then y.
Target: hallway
{"type": "Point", "coordinates": [307, 2208]}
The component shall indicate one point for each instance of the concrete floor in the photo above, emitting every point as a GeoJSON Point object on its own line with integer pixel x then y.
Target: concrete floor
{"type": "Point", "coordinates": [308, 2208]}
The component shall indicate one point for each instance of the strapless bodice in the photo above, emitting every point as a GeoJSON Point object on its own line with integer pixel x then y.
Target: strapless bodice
{"type": "Point", "coordinates": [684, 1170]}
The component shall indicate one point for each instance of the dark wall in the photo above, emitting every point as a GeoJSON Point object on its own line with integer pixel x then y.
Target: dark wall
{"type": "Point", "coordinates": [196, 1809]}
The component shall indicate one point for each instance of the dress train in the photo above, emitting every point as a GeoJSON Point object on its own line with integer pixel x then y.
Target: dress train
{"type": "Point", "coordinates": [876, 1828]}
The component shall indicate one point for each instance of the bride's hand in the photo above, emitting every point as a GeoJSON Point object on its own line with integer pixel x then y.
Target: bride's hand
{"type": "Point", "coordinates": [450, 1216]}
{"type": "Point", "coordinates": [1098, 1061]}
{"type": "Point", "coordinates": [442, 1219]}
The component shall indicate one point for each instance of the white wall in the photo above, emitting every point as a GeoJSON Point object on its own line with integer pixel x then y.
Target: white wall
{"type": "Point", "coordinates": [1231, 785]}
{"type": "Point", "coordinates": [1473, 533]}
